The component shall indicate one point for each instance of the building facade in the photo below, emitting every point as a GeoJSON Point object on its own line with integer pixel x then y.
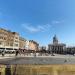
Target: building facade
{"type": "Point", "coordinates": [33, 45]}
{"type": "Point", "coordinates": [70, 50]}
{"type": "Point", "coordinates": [22, 43]}
{"type": "Point", "coordinates": [56, 47]}
{"type": "Point", "coordinates": [12, 41]}
{"type": "Point", "coordinates": [42, 48]}
{"type": "Point", "coordinates": [8, 39]}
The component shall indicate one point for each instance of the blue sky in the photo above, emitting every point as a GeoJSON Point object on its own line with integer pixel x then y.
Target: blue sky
{"type": "Point", "coordinates": [40, 20]}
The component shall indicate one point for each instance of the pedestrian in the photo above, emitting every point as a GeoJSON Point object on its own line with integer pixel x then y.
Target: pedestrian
{"type": "Point", "coordinates": [65, 60]}
{"type": "Point", "coordinates": [16, 52]}
{"type": "Point", "coordinates": [3, 53]}
{"type": "Point", "coordinates": [35, 54]}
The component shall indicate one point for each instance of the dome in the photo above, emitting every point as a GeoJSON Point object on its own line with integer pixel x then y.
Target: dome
{"type": "Point", "coordinates": [55, 40]}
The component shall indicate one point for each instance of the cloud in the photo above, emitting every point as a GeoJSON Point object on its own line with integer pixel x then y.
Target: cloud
{"type": "Point", "coordinates": [38, 28]}
{"type": "Point", "coordinates": [57, 22]}
{"type": "Point", "coordinates": [30, 28]}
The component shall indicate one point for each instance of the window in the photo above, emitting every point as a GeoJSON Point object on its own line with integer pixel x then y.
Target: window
{"type": "Point", "coordinates": [1, 37]}
{"type": "Point", "coordinates": [16, 41]}
{"type": "Point", "coordinates": [11, 44]}
{"type": "Point", "coordinates": [4, 38]}
{"type": "Point", "coordinates": [16, 45]}
{"type": "Point", "coordinates": [0, 43]}
{"type": "Point", "coordinates": [16, 37]}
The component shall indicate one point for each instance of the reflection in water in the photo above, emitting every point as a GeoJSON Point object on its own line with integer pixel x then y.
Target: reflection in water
{"type": "Point", "coordinates": [8, 71]}
{"type": "Point", "coordinates": [44, 69]}
{"type": "Point", "coordinates": [38, 70]}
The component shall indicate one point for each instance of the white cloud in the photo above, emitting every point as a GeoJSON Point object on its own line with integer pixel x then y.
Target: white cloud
{"type": "Point", "coordinates": [30, 28]}
{"type": "Point", "coordinates": [37, 28]}
{"type": "Point", "coordinates": [57, 22]}
{"type": "Point", "coordinates": [40, 28]}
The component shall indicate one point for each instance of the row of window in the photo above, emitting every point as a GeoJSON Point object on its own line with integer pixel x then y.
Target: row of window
{"type": "Point", "coordinates": [4, 38]}
{"type": "Point", "coordinates": [11, 44]}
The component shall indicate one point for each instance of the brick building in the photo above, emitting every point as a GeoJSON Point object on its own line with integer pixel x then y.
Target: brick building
{"type": "Point", "coordinates": [33, 45]}
{"type": "Point", "coordinates": [22, 43]}
{"type": "Point", "coordinates": [8, 39]}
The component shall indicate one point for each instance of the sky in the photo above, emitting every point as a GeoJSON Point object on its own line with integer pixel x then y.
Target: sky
{"type": "Point", "coordinates": [40, 20]}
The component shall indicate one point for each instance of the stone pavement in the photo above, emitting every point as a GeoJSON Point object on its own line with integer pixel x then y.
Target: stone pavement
{"type": "Point", "coordinates": [22, 55]}
{"type": "Point", "coordinates": [21, 59]}
{"type": "Point", "coordinates": [7, 56]}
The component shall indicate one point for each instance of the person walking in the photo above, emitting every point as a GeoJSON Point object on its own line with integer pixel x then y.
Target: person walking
{"type": "Point", "coordinates": [3, 53]}
{"type": "Point", "coordinates": [16, 52]}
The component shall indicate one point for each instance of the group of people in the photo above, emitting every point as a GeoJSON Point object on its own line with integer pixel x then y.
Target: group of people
{"type": "Point", "coordinates": [23, 52]}
{"type": "Point", "coordinates": [17, 52]}
{"type": "Point", "coordinates": [3, 53]}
